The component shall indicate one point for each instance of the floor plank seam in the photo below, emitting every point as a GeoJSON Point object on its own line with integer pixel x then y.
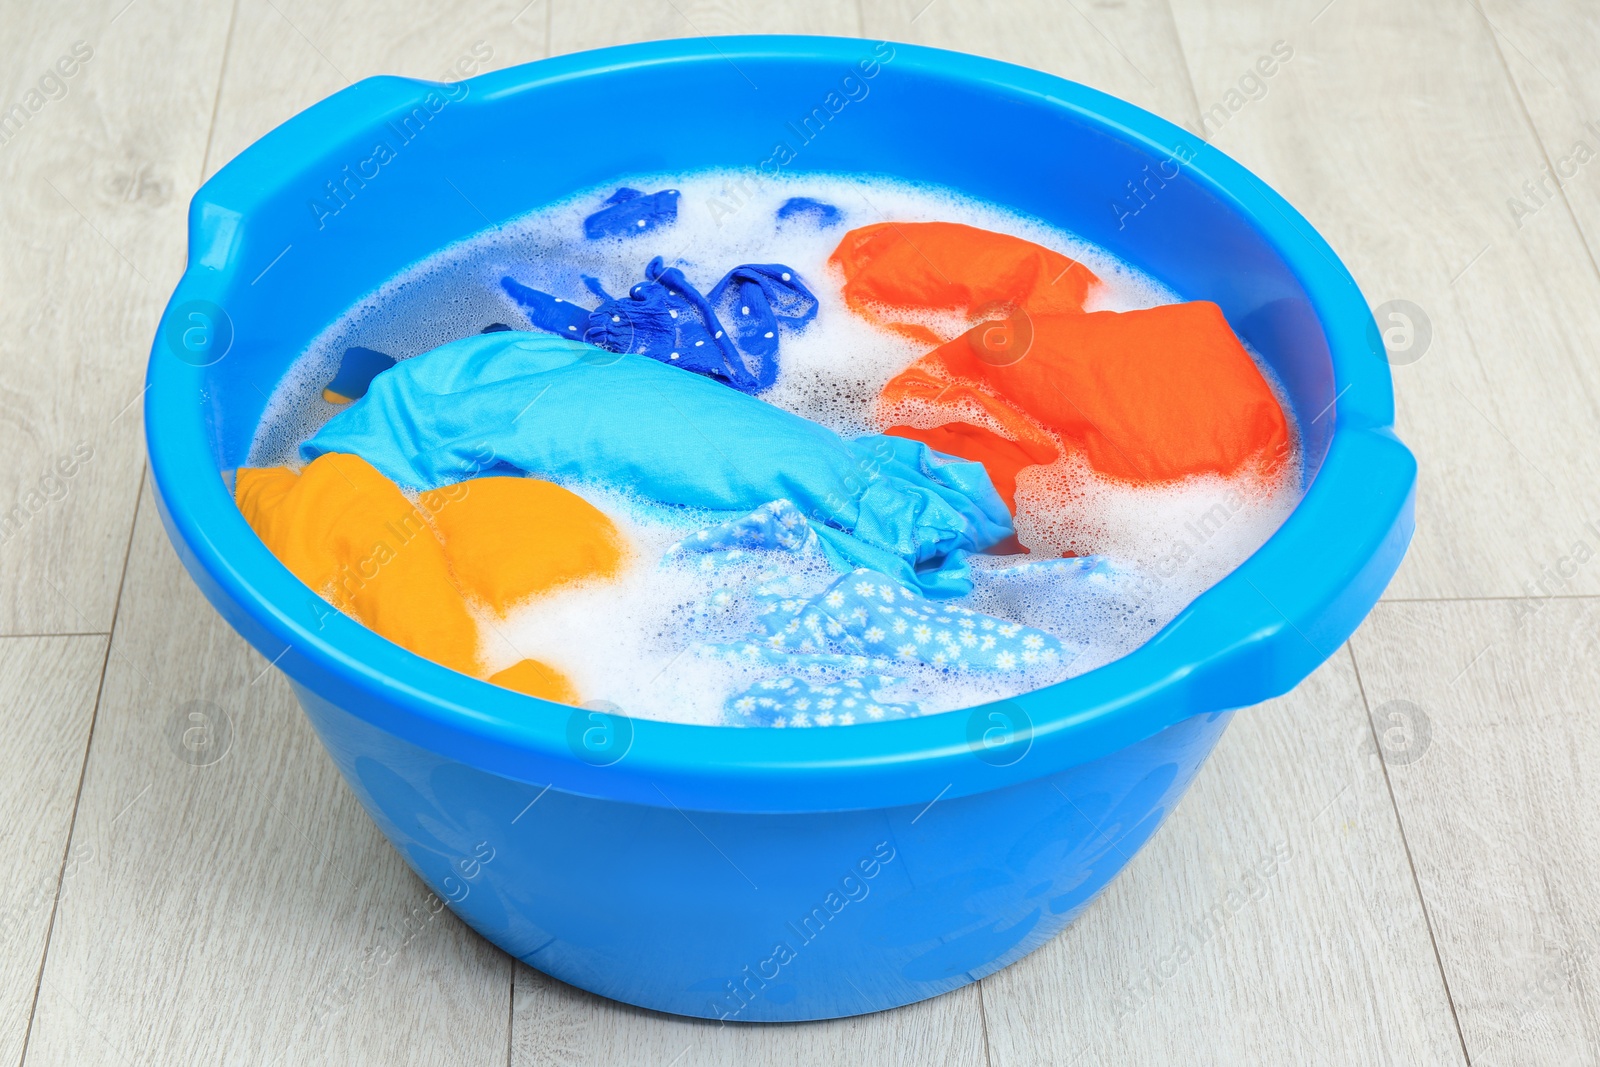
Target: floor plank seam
{"type": "Point", "coordinates": [1405, 843]}
{"type": "Point", "coordinates": [75, 633]}
{"type": "Point", "coordinates": [83, 771]}
{"type": "Point", "coordinates": [511, 1016]}
{"type": "Point", "coordinates": [983, 1020]}
{"type": "Point", "coordinates": [1188, 72]}
{"type": "Point", "coordinates": [216, 99]}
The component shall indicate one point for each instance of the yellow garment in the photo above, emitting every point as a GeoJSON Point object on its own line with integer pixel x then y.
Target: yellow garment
{"type": "Point", "coordinates": [536, 679]}
{"type": "Point", "coordinates": [351, 535]}
{"type": "Point", "coordinates": [405, 570]}
{"type": "Point", "coordinates": [509, 539]}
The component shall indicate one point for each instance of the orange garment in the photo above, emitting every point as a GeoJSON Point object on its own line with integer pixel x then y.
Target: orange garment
{"type": "Point", "coordinates": [897, 272]}
{"type": "Point", "coordinates": [351, 535]}
{"type": "Point", "coordinates": [1149, 395]}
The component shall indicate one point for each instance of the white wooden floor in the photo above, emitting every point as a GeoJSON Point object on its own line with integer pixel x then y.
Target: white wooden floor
{"type": "Point", "coordinates": [1436, 784]}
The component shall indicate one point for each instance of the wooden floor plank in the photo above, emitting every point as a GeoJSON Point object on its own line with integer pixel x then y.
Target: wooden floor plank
{"type": "Point", "coordinates": [1548, 49]}
{"type": "Point", "coordinates": [300, 51]}
{"type": "Point", "coordinates": [1272, 920]}
{"type": "Point", "coordinates": [581, 24]}
{"type": "Point", "coordinates": [48, 687]}
{"type": "Point", "coordinates": [1395, 129]}
{"type": "Point", "coordinates": [97, 177]}
{"type": "Point", "coordinates": [241, 908]}
{"type": "Point", "coordinates": [1494, 703]}
{"type": "Point", "coordinates": [1128, 48]}
{"type": "Point", "coordinates": [556, 1025]}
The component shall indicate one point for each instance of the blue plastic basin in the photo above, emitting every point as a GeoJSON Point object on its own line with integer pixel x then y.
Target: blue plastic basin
{"type": "Point", "coordinates": [759, 874]}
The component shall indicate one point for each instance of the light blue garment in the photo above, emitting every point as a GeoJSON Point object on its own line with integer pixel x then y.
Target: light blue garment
{"type": "Point", "coordinates": [836, 639]}
{"type": "Point", "coordinates": [799, 702]}
{"type": "Point", "coordinates": [776, 526]}
{"type": "Point", "coordinates": [530, 402]}
{"type": "Point", "coordinates": [870, 615]}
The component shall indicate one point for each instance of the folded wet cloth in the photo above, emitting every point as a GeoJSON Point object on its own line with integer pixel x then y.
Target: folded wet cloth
{"type": "Point", "coordinates": [551, 313]}
{"type": "Point", "coordinates": [796, 702]}
{"type": "Point", "coordinates": [1150, 395]}
{"type": "Point", "coordinates": [409, 571]}
{"type": "Point", "coordinates": [866, 617]}
{"type": "Point", "coordinates": [535, 403]}
{"type": "Point", "coordinates": [666, 318]}
{"type": "Point", "coordinates": [509, 540]}
{"type": "Point", "coordinates": [818, 213]}
{"type": "Point", "coordinates": [356, 370]}
{"type": "Point", "coordinates": [347, 532]}
{"type": "Point", "coordinates": [629, 212]}
{"type": "Point", "coordinates": [905, 275]}
{"type": "Point", "coordinates": [757, 299]}
{"type": "Point", "coordinates": [866, 613]}
{"type": "Point", "coordinates": [1036, 576]}
{"type": "Point", "coordinates": [776, 525]}
{"type": "Point", "coordinates": [1084, 587]}
{"type": "Point", "coordinates": [825, 635]}
{"type": "Point", "coordinates": [1002, 457]}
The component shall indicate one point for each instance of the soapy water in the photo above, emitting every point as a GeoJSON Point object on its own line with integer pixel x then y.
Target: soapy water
{"type": "Point", "coordinates": [623, 641]}
{"type": "Point", "coordinates": [640, 642]}
{"type": "Point", "coordinates": [832, 371]}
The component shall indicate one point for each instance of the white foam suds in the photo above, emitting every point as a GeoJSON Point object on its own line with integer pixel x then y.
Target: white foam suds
{"type": "Point", "coordinates": [625, 642]}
